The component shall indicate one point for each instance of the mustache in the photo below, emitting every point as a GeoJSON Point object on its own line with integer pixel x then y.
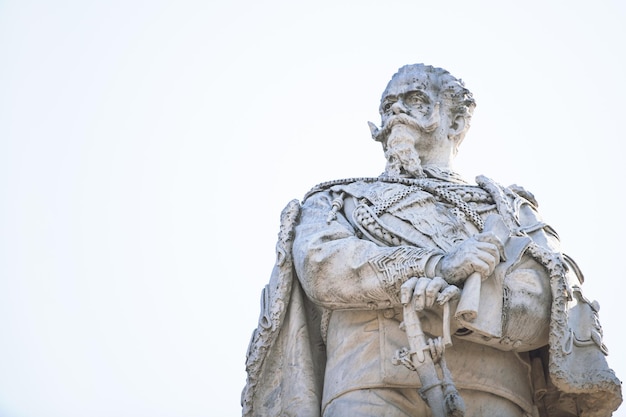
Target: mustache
{"type": "Point", "coordinates": [427, 125]}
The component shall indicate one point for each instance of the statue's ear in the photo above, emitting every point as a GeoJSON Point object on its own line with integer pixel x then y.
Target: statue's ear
{"type": "Point", "coordinates": [457, 126]}
{"type": "Point", "coordinates": [456, 132]}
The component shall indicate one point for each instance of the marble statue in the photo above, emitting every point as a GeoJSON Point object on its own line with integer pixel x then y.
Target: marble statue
{"type": "Point", "coordinates": [417, 293]}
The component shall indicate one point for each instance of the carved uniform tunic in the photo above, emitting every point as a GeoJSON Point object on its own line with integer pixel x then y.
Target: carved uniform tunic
{"type": "Point", "coordinates": [330, 314]}
{"type": "Point", "coordinates": [378, 235]}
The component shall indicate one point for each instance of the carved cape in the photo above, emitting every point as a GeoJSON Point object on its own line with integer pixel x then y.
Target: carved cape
{"type": "Point", "coordinates": [286, 356]}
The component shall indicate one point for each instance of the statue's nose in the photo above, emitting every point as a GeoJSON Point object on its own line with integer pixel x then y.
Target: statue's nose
{"type": "Point", "coordinates": [398, 107]}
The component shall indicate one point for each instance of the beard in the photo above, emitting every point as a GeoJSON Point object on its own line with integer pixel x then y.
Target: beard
{"type": "Point", "coordinates": [401, 154]}
{"type": "Point", "coordinates": [399, 135]}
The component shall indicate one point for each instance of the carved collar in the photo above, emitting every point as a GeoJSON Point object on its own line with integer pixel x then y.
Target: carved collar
{"type": "Point", "coordinates": [444, 174]}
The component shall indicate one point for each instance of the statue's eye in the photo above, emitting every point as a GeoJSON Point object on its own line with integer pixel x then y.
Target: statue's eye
{"type": "Point", "coordinates": [414, 98]}
{"type": "Point", "coordinates": [387, 106]}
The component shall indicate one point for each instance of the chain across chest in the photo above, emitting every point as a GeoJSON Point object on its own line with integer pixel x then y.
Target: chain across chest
{"type": "Point", "coordinates": [465, 200]}
{"type": "Point", "coordinates": [421, 215]}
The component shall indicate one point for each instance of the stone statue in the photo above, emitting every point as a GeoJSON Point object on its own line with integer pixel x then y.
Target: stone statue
{"type": "Point", "coordinates": [417, 293]}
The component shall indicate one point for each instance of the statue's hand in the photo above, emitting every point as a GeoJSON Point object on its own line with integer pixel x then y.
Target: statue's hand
{"type": "Point", "coordinates": [425, 292]}
{"type": "Point", "coordinates": [481, 253]}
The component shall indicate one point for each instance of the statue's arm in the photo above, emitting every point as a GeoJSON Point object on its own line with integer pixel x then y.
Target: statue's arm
{"type": "Point", "coordinates": [339, 270]}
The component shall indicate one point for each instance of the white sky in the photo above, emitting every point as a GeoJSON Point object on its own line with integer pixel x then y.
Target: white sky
{"type": "Point", "coordinates": [148, 147]}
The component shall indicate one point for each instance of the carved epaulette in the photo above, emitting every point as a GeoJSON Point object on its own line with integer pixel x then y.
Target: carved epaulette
{"type": "Point", "coordinates": [525, 194]}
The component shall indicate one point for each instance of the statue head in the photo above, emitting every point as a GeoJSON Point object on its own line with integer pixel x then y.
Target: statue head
{"type": "Point", "coordinates": [425, 113]}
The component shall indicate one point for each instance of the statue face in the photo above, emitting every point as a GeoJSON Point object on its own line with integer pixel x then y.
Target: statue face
{"type": "Point", "coordinates": [415, 124]}
{"type": "Point", "coordinates": [411, 95]}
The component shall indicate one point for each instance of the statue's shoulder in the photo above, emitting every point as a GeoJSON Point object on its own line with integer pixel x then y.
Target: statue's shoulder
{"type": "Point", "coordinates": [516, 194]}
{"type": "Point", "coordinates": [522, 192]}
{"type": "Point", "coordinates": [352, 186]}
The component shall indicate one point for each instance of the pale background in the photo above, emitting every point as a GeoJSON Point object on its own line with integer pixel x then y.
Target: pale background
{"type": "Point", "coordinates": [148, 147]}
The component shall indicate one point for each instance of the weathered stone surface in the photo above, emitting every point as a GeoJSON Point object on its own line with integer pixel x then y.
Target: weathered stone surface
{"type": "Point", "coordinates": [417, 293]}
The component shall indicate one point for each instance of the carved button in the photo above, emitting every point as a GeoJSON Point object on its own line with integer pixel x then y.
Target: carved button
{"type": "Point", "coordinates": [389, 313]}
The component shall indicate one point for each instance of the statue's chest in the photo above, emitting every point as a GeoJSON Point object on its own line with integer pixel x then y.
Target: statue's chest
{"type": "Point", "coordinates": [442, 217]}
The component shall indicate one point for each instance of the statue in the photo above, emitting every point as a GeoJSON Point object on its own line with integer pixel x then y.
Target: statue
{"type": "Point", "coordinates": [417, 293]}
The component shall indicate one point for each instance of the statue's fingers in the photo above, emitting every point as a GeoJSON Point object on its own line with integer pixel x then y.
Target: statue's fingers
{"type": "Point", "coordinates": [486, 262]}
{"type": "Point", "coordinates": [490, 237]}
{"type": "Point", "coordinates": [448, 293]}
{"type": "Point", "coordinates": [433, 348]}
{"type": "Point", "coordinates": [419, 294]}
{"type": "Point", "coordinates": [482, 267]}
{"type": "Point", "coordinates": [407, 289]}
{"type": "Point", "coordinates": [433, 289]}
{"type": "Point", "coordinates": [486, 252]}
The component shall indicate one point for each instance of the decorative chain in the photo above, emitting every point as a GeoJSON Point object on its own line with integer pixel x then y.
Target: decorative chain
{"type": "Point", "coordinates": [378, 209]}
{"type": "Point", "coordinates": [454, 199]}
{"type": "Point", "coordinates": [441, 190]}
